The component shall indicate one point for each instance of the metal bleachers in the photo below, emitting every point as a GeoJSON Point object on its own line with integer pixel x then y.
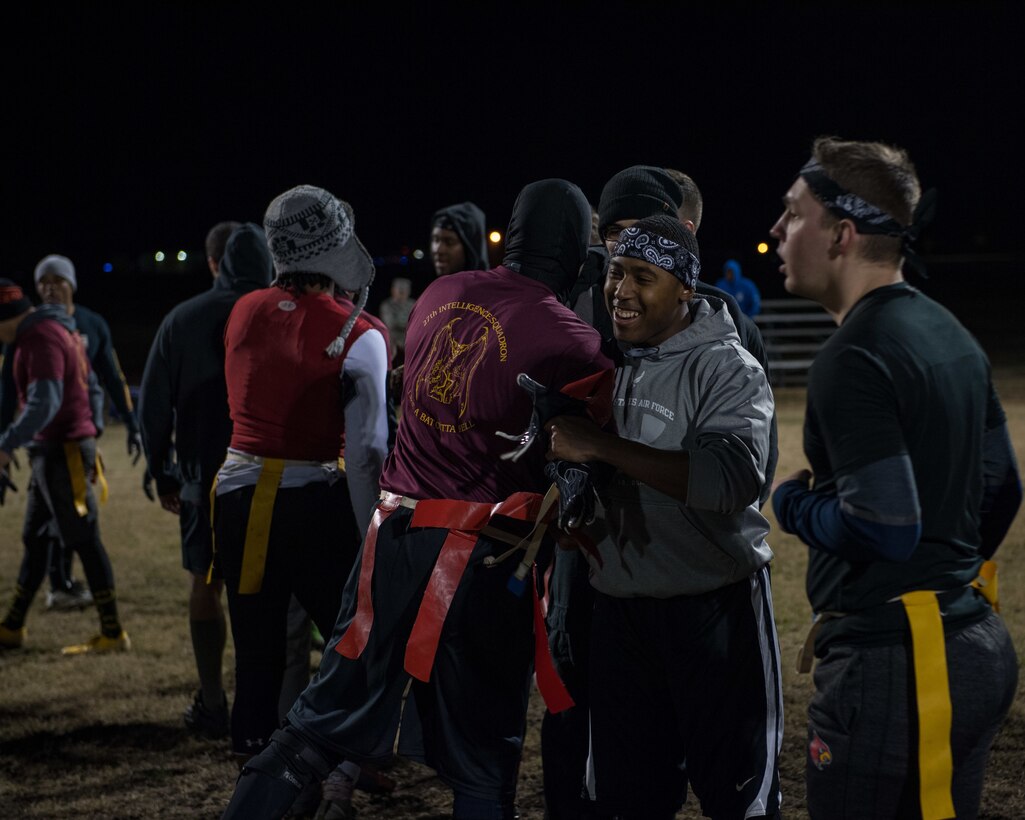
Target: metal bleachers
{"type": "Point", "coordinates": [793, 330]}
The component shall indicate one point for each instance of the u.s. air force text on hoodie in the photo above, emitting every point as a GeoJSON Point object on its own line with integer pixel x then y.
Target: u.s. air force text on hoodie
{"type": "Point", "coordinates": [698, 391]}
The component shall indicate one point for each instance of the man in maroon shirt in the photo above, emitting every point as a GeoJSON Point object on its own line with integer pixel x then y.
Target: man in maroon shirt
{"type": "Point", "coordinates": [56, 425]}
{"type": "Point", "coordinates": [440, 611]}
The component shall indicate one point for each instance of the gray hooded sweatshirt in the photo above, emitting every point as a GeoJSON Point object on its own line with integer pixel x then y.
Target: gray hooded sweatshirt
{"type": "Point", "coordinates": [702, 392]}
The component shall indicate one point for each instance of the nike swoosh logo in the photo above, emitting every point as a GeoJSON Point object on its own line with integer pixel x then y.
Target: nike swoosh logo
{"type": "Point", "coordinates": [640, 377]}
{"type": "Point", "coordinates": [740, 786]}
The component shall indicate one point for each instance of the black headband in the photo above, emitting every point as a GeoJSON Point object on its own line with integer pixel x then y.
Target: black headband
{"type": "Point", "coordinates": [868, 218]}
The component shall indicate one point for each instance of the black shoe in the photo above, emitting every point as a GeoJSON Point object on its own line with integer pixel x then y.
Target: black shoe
{"type": "Point", "coordinates": [211, 723]}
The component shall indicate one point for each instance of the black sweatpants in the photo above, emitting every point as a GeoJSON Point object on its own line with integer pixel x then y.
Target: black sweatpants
{"type": "Point", "coordinates": [687, 689]}
{"type": "Point", "coordinates": [312, 546]}
{"type": "Point", "coordinates": [51, 499]}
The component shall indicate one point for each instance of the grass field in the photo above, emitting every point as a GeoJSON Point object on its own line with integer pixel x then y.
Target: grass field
{"type": "Point", "coordinates": [103, 738]}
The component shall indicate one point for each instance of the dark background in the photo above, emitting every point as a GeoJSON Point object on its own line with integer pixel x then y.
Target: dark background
{"type": "Point", "coordinates": [129, 130]}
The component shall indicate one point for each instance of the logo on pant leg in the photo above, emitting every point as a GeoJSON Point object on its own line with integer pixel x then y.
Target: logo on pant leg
{"type": "Point", "coordinates": [819, 751]}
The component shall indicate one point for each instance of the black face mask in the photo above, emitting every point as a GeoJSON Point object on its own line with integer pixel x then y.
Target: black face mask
{"type": "Point", "coordinates": [548, 233]}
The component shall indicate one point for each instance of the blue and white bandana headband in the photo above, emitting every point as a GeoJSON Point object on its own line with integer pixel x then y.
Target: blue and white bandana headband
{"type": "Point", "coordinates": [663, 253]}
{"type": "Point", "coordinates": [867, 218]}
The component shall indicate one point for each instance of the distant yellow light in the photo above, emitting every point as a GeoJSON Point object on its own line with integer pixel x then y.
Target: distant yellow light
{"type": "Point", "coordinates": [418, 254]}
{"type": "Point", "coordinates": [182, 256]}
{"type": "Point", "coordinates": [159, 256]}
{"type": "Point", "coordinates": [495, 237]}
{"type": "Point", "coordinates": [763, 247]}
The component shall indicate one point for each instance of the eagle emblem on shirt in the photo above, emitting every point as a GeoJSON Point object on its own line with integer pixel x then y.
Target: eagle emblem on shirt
{"type": "Point", "coordinates": [450, 365]}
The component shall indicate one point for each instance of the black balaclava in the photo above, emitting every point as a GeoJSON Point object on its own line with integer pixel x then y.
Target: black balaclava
{"type": "Point", "coordinates": [548, 234]}
{"type": "Point", "coordinates": [467, 220]}
{"type": "Point", "coordinates": [246, 264]}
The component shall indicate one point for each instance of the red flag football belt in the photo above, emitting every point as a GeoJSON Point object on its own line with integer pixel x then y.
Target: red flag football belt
{"type": "Point", "coordinates": [465, 522]}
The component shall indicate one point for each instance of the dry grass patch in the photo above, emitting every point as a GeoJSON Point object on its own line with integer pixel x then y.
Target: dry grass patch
{"type": "Point", "coordinates": [103, 737]}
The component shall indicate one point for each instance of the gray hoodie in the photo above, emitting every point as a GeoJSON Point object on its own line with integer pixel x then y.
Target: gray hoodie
{"type": "Point", "coordinates": [699, 391]}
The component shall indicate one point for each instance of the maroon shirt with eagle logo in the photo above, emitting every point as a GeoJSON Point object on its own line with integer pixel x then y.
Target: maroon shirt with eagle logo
{"type": "Point", "coordinates": [469, 336]}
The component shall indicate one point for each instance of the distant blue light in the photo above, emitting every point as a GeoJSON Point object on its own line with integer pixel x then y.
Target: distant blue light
{"type": "Point", "coordinates": [107, 267]}
{"type": "Point", "coordinates": [403, 260]}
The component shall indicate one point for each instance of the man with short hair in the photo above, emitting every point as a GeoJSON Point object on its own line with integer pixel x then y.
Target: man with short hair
{"type": "Point", "coordinates": [692, 204]}
{"type": "Point", "coordinates": [459, 239]}
{"type": "Point", "coordinates": [915, 485]}
{"type": "Point", "coordinates": [60, 410]}
{"type": "Point", "coordinates": [430, 601]}
{"type": "Point", "coordinates": [183, 410]}
{"type": "Point", "coordinates": [216, 240]}
{"type": "Point", "coordinates": [684, 661]}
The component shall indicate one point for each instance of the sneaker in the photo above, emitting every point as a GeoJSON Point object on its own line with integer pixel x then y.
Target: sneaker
{"type": "Point", "coordinates": [76, 596]}
{"type": "Point", "coordinates": [100, 643]}
{"type": "Point", "coordinates": [337, 794]}
{"type": "Point", "coordinates": [211, 723]}
{"type": "Point", "coordinates": [12, 638]}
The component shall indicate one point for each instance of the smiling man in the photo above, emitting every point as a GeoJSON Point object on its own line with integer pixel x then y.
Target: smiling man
{"type": "Point", "coordinates": [915, 484]}
{"type": "Point", "coordinates": [684, 661]}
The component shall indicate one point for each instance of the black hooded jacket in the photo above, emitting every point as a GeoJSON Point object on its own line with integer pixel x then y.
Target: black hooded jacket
{"type": "Point", "coordinates": [467, 221]}
{"type": "Point", "coordinates": [548, 233]}
{"type": "Point", "coordinates": [183, 389]}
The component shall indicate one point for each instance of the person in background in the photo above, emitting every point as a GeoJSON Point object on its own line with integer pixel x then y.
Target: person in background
{"type": "Point", "coordinates": [394, 312]}
{"type": "Point", "coordinates": [56, 284]}
{"type": "Point", "coordinates": [183, 410]}
{"type": "Point", "coordinates": [740, 288]}
{"type": "Point", "coordinates": [60, 415]}
{"type": "Point", "coordinates": [459, 239]}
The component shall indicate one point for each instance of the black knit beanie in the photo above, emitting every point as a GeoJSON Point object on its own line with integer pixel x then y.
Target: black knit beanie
{"type": "Point", "coordinates": [637, 192]}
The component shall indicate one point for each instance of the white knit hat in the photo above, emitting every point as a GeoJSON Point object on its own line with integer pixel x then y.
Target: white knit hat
{"type": "Point", "coordinates": [59, 265]}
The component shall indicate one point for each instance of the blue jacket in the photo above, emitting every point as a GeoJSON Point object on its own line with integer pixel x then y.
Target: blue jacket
{"type": "Point", "coordinates": [740, 288]}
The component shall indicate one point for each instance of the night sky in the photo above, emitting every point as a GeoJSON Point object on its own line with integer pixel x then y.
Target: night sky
{"type": "Point", "coordinates": [135, 130]}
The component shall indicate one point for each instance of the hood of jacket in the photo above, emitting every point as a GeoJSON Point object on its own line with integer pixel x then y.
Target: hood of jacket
{"type": "Point", "coordinates": [55, 312]}
{"type": "Point", "coordinates": [247, 264]}
{"type": "Point", "coordinates": [548, 234]}
{"type": "Point", "coordinates": [734, 266]}
{"type": "Point", "coordinates": [469, 224]}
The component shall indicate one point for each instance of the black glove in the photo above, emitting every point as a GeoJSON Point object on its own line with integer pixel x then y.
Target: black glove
{"type": "Point", "coordinates": [576, 492]}
{"type": "Point", "coordinates": [548, 404]}
{"type": "Point", "coordinates": [147, 485]}
{"type": "Point", "coordinates": [5, 485]}
{"type": "Point", "coordinates": [134, 447]}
